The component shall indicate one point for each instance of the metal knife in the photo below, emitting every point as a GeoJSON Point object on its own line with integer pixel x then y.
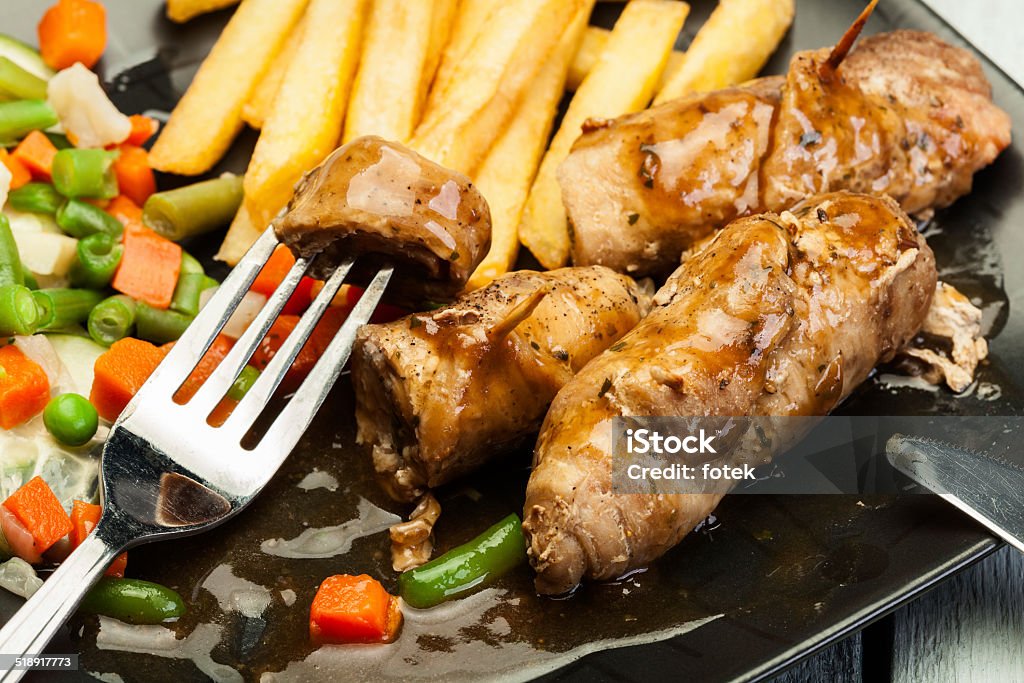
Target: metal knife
{"type": "Point", "coordinates": [988, 489]}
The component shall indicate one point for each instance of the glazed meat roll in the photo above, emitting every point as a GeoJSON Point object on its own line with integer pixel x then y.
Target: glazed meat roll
{"type": "Point", "coordinates": [777, 315]}
{"type": "Point", "coordinates": [439, 393]}
{"type": "Point", "coordinates": [904, 114]}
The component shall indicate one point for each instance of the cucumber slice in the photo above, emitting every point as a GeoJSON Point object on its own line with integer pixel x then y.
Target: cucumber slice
{"type": "Point", "coordinates": [25, 56]}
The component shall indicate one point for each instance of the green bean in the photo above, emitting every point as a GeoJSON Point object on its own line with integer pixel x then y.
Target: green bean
{"type": "Point", "coordinates": [112, 319]}
{"type": "Point", "coordinates": [61, 308]}
{"type": "Point", "coordinates": [466, 568]}
{"type": "Point", "coordinates": [36, 198]}
{"type": "Point", "coordinates": [20, 117]}
{"type": "Point", "coordinates": [11, 270]}
{"type": "Point", "coordinates": [85, 173]}
{"type": "Point", "coordinates": [59, 140]}
{"type": "Point", "coordinates": [19, 313]}
{"type": "Point", "coordinates": [243, 383]}
{"type": "Point", "coordinates": [71, 419]}
{"type": "Point", "coordinates": [159, 326]}
{"type": "Point", "coordinates": [187, 291]}
{"type": "Point", "coordinates": [20, 83]}
{"type": "Point", "coordinates": [190, 264]}
{"type": "Point", "coordinates": [194, 209]}
{"type": "Point", "coordinates": [133, 600]}
{"type": "Point", "coordinates": [30, 279]}
{"type": "Point", "coordinates": [98, 256]}
{"type": "Point", "coordinates": [81, 219]}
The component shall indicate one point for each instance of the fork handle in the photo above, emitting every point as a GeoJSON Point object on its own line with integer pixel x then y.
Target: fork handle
{"type": "Point", "coordinates": [31, 628]}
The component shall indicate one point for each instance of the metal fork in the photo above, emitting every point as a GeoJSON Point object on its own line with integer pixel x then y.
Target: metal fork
{"type": "Point", "coordinates": [165, 471]}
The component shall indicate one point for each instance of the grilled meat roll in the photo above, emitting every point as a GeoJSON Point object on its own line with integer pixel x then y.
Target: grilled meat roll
{"type": "Point", "coordinates": [384, 203]}
{"type": "Point", "coordinates": [904, 114]}
{"type": "Point", "coordinates": [776, 315]}
{"type": "Point", "coordinates": [439, 393]}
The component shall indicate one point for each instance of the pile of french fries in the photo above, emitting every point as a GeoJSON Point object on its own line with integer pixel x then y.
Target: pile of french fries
{"type": "Point", "coordinates": [474, 85]}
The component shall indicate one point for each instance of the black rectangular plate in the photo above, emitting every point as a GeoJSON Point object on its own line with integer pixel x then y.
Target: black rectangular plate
{"type": "Point", "coordinates": [789, 575]}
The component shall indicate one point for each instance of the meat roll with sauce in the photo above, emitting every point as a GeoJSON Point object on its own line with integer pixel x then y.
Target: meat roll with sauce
{"type": "Point", "coordinates": [439, 393]}
{"type": "Point", "coordinates": [904, 114]}
{"type": "Point", "coordinates": [776, 315]}
{"type": "Point", "coordinates": [383, 203]}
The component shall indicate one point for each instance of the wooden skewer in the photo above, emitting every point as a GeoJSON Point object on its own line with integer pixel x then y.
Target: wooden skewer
{"type": "Point", "coordinates": [839, 52]}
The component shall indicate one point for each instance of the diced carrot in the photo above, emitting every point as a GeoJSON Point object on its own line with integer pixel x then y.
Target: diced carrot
{"type": "Point", "coordinates": [384, 313]}
{"type": "Point", "coordinates": [38, 509]}
{"type": "Point", "coordinates": [120, 372]}
{"type": "Point", "coordinates": [19, 174]}
{"type": "Point", "coordinates": [24, 387]}
{"type": "Point", "coordinates": [36, 152]}
{"type": "Point", "coordinates": [73, 31]}
{"type": "Point", "coordinates": [126, 211]}
{"type": "Point", "coordinates": [311, 351]}
{"type": "Point", "coordinates": [353, 609]}
{"type": "Point", "coordinates": [222, 412]}
{"type": "Point", "coordinates": [134, 176]}
{"type": "Point", "coordinates": [207, 364]}
{"type": "Point", "coordinates": [274, 272]}
{"type": "Point", "coordinates": [84, 518]}
{"type": "Point", "coordinates": [149, 267]}
{"type": "Point", "coordinates": [143, 128]}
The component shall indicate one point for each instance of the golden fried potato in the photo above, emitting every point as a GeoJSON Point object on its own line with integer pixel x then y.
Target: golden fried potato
{"type": "Point", "coordinates": [507, 173]}
{"type": "Point", "coordinates": [398, 63]}
{"type": "Point", "coordinates": [305, 122]}
{"type": "Point", "coordinates": [183, 10]}
{"type": "Point", "coordinates": [261, 100]}
{"type": "Point", "coordinates": [209, 116]}
{"type": "Point", "coordinates": [731, 47]}
{"type": "Point", "coordinates": [478, 95]}
{"type": "Point", "coordinates": [623, 81]}
{"type": "Point", "coordinates": [241, 235]}
{"type": "Point", "coordinates": [591, 47]}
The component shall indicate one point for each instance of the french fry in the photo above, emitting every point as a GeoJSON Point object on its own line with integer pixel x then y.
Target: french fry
{"type": "Point", "coordinates": [399, 58]}
{"type": "Point", "coordinates": [181, 11]}
{"type": "Point", "coordinates": [506, 174]}
{"type": "Point", "coordinates": [622, 81]}
{"type": "Point", "coordinates": [715, 59]}
{"type": "Point", "coordinates": [305, 122]}
{"type": "Point", "coordinates": [471, 16]}
{"type": "Point", "coordinates": [261, 100]}
{"type": "Point", "coordinates": [241, 235]}
{"type": "Point", "coordinates": [209, 116]}
{"type": "Point", "coordinates": [467, 109]}
{"type": "Point", "coordinates": [594, 40]}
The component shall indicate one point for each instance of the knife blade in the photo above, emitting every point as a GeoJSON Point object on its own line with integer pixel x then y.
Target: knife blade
{"type": "Point", "coordinates": [989, 490]}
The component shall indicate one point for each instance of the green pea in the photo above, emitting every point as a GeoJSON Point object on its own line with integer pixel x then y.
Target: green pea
{"type": "Point", "coordinates": [71, 419]}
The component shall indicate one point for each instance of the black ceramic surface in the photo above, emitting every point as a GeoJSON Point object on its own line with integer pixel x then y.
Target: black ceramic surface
{"type": "Point", "coordinates": [771, 581]}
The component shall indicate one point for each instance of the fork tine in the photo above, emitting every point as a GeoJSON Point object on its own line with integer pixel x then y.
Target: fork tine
{"type": "Point", "coordinates": [259, 394]}
{"type": "Point", "coordinates": [218, 383]}
{"type": "Point", "coordinates": [295, 418]}
{"type": "Point", "coordinates": [188, 350]}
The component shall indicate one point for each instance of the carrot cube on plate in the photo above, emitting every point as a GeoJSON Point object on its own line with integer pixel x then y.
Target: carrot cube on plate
{"type": "Point", "coordinates": [353, 609]}
{"type": "Point", "coordinates": [36, 152]}
{"type": "Point", "coordinates": [120, 372]}
{"type": "Point", "coordinates": [149, 267]}
{"type": "Point", "coordinates": [84, 518]}
{"type": "Point", "coordinates": [40, 512]}
{"type": "Point", "coordinates": [24, 387]}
